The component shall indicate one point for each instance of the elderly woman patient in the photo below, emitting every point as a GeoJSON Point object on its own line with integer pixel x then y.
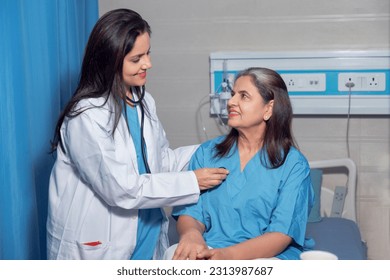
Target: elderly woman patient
{"type": "Point", "coordinates": [261, 209]}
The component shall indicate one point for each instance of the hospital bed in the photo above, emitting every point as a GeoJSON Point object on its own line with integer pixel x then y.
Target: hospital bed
{"type": "Point", "coordinates": [332, 221]}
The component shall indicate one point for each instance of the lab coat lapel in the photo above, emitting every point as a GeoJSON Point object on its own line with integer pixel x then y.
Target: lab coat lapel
{"type": "Point", "coordinates": [128, 142]}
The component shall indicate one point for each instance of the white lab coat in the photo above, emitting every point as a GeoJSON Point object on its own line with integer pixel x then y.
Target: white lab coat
{"type": "Point", "coordinates": [95, 189]}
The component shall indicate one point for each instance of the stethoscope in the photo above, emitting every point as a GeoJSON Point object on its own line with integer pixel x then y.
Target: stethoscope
{"type": "Point", "coordinates": [135, 103]}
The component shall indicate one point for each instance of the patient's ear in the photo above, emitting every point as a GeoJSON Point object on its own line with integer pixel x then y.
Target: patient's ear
{"type": "Point", "coordinates": [268, 110]}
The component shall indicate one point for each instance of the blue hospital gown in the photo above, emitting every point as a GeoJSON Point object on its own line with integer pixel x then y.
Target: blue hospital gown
{"type": "Point", "coordinates": [252, 202]}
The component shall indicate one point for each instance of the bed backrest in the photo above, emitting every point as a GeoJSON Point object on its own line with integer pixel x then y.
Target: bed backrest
{"type": "Point", "coordinates": [333, 172]}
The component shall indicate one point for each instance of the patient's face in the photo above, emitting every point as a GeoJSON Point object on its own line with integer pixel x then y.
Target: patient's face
{"type": "Point", "coordinates": [246, 107]}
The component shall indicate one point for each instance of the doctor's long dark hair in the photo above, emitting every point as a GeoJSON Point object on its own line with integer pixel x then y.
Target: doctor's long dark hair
{"type": "Point", "coordinates": [278, 138]}
{"type": "Point", "coordinates": [112, 37]}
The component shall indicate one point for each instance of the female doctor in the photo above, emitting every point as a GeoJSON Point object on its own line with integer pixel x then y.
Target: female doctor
{"type": "Point", "coordinates": [114, 170]}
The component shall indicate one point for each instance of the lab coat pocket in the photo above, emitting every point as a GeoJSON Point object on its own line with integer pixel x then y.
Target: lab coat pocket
{"type": "Point", "coordinates": [94, 250]}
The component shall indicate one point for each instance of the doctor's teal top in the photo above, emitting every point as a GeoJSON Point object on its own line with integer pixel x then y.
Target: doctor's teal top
{"type": "Point", "coordinates": [149, 220]}
{"type": "Point", "coordinates": [253, 201]}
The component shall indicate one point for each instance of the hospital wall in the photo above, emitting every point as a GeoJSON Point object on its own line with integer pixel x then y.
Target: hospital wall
{"type": "Point", "coordinates": [186, 32]}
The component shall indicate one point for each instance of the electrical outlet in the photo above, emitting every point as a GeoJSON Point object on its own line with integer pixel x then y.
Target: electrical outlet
{"type": "Point", "coordinates": [367, 81]}
{"type": "Point", "coordinates": [305, 82]}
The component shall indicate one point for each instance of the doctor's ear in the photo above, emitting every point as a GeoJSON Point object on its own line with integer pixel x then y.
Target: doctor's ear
{"type": "Point", "coordinates": [268, 110]}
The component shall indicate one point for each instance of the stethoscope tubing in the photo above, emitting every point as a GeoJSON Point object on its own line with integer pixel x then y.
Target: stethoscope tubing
{"type": "Point", "coordinates": [143, 143]}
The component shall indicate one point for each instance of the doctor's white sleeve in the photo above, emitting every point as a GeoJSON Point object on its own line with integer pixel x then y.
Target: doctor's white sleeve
{"type": "Point", "coordinates": [92, 151]}
{"type": "Point", "coordinates": [175, 159]}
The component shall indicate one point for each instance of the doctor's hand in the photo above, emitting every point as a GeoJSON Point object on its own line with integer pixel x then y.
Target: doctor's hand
{"type": "Point", "coordinates": [210, 177]}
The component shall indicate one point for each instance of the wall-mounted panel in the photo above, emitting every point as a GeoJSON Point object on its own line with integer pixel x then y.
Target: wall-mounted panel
{"type": "Point", "coordinates": [334, 83]}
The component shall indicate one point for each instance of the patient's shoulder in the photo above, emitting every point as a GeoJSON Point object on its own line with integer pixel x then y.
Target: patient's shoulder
{"type": "Point", "coordinates": [296, 156]}
{"type": "Point", "coordinates": [210, 144]}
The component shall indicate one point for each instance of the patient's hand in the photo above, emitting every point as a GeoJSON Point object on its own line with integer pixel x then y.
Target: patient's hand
{"type": "Point", "coordinates": [216, 254]}
{"type": "Point", "coordinates": [189, 246]}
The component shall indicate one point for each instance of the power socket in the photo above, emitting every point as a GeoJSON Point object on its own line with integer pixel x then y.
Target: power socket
{"type": "Point", "coordinates": [367, 81]}
{"type": "Point", "coordinates": [305, 82]}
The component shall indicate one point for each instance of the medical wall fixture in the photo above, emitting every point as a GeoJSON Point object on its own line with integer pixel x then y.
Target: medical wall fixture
{"type": "Point", "coordinates": [319, 83]}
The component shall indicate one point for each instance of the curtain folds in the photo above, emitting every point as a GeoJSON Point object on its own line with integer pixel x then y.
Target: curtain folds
{"type": "Point", "coordinates": [41, 48]}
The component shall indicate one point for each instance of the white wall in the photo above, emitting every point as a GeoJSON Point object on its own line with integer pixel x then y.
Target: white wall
{"type": "Point", "coordinates": [184, 34]}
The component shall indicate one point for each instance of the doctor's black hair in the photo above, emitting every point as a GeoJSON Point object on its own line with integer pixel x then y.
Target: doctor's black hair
{"type": "Point", "coordinates": [112, 37]}
{"type": "Point", "coordinates": [278, 138]}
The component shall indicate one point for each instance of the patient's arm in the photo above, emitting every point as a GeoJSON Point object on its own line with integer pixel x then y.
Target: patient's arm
{"type": "Point", "coordinates": [267, 245]}
{"type": "Point", "coordinates": [191, 239]}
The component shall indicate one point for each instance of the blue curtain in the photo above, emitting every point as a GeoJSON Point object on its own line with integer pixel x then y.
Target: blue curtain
{"type": "Point", "coordinates": [41, 48]}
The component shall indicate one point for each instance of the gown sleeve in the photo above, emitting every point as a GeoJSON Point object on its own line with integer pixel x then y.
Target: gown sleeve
{"type": "Point", "coordinates": [294, 202]}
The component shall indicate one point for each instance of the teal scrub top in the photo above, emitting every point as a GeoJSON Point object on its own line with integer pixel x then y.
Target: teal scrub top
{"type": "Point", "coordinates": [149, 220]}
{"type": "Point", "coordinates": [254, 201]}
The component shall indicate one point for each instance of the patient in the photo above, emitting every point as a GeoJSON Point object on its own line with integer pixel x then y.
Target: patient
{"type": "Point", "coordinates": [261, 209]}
